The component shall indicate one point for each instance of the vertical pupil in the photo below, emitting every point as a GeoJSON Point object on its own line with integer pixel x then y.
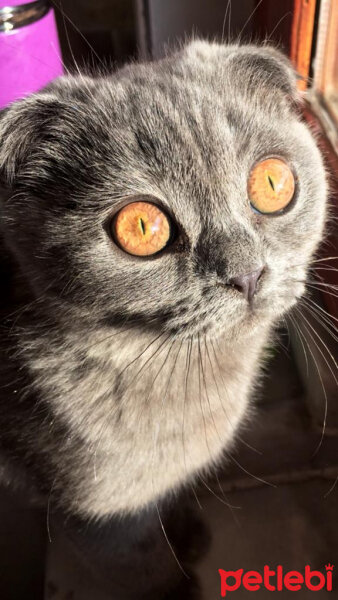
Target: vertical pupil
{"type": "Point", "coordinates": [142, 225]}
{"type": "Point", "coordinates": [271, 182]}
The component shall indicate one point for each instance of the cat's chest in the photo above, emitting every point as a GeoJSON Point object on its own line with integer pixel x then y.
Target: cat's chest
{"type": "Point", "coordinates": [141, 427]}
{"type": "Point", "coordinates": [153, 438]}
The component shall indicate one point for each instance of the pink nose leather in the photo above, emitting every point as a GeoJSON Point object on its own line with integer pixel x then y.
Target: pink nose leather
{"type": "Point", "coordinates": [247, 283]}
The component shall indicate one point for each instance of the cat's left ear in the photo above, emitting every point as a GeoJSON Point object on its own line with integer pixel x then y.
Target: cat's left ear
{"type": "Point", "coordinates": [265, 69]}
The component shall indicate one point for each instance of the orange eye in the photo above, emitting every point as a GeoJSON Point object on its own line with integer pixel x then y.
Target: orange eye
{"type": "Point", "coordinates": [271, 186]}
{"type": "Point", "coordinates": [141, 229]}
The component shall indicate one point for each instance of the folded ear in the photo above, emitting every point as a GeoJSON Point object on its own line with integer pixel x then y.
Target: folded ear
{"type": "Point", "coordinates": [23, 125]}
{"type": "Point", "coordinates": [265, 68]}
{"type": "Point", "coordinates": [254, 70]}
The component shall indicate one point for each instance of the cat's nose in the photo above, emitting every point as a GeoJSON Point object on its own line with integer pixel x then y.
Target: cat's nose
{"type": "Point", "coordinates": [247, 283]}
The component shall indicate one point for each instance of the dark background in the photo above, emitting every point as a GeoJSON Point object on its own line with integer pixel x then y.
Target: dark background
{"type": "Point", "coordinates": [294, 523]}
{"type": "Point", "coordinates": [120, 30]}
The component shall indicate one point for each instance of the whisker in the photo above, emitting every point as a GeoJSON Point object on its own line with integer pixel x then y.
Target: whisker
{"type": "Point", "coordinates": [146, 362]}
{"type": "Point", "coordinates": [324, 392]}
{"type": "Point", "coordinates": [331, 488]}
{"type": "Point", "coordinates": [296, 328]}
{"type": "Point", "coordinates": [325, 291]}
{"type": "Point", "coordinates": [321, 319]}
{"type": "Point", "coordinates": [322, 284]}
{"type": "Point", "coordinates": [323, 310]}
{"type": "Point", "coordinates": [322, 342]}
{"type": "Point", "coordinates": [111, 335]}
{"type": "Point", "coordinates": [225, 389]}
{"type": "Point", "coordinates": [211, 415]}
{"type": "Point", "coordinates": [278, 24]}
{"type": "Point", "coordinates": [229, 22]}
{"type": "Point", "coordinates": [225, 18]}
{"type": "Point", "coordinates": [251, 474]}
{"type": "Point", "coordinates": [65, 16]}
{"type": "Point", "coordinates": [249, 18]}
{"type": "Point", "coordinates": [199, 360]}
{"type": "Point", "coordinates": [186, 378]}
{"type": "Point", "coordinates": [169, 543]}
{"type": "Point", "coordinates": [142, 353]}
{"type": "Point", "coordinates": [227, 504]}
{"type": "Point", "coordinates": [48, 511]}
{"type": "Point", "coordinates": [326, 258]}
{"type": "Point", "coordinates": [105, 425]}
{"type": "Point", "coordinates": [155, 441]}
{"type": "Point", "coordinates": [160, 370]}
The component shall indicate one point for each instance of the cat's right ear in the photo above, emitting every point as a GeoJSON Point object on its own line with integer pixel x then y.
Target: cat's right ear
{"type": "Point", "coordinates": [22, 128]}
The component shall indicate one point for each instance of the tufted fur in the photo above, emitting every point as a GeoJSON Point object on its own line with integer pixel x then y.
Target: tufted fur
{"type": "Point", "coordinates": [123, 378]}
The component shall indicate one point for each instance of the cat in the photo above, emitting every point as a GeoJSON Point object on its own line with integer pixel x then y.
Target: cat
{"type": "Point", "coordinates": [126, 375]}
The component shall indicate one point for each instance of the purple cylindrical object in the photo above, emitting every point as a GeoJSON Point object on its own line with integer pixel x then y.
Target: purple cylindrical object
{"type": "Point", "coordinates": [12, 3]}
{"type": "Point", "coordinates": [30, 56]}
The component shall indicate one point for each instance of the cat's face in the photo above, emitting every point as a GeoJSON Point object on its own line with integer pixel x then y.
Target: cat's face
{"type": "Point", "coordinates": [183, 134]}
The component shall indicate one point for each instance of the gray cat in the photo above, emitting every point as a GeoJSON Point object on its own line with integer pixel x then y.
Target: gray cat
{"type": "Point", "coordinates": [156, 225]}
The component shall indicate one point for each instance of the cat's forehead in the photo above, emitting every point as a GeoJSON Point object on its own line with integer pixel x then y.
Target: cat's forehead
{"type": "Point", "coordinates": [190, 138]}
{"type": "Point", "coordinates": [186, 130]}
{"type": "Point", "coordinates": [209, 99]}
{"type": "Point", "coordinates": [215, 72]}
{"type": "Point", "coordinates": [193, 118]}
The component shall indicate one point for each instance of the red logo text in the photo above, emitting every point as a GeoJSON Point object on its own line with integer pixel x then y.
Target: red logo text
{"type": "Point", "coordinates": [276, 580]}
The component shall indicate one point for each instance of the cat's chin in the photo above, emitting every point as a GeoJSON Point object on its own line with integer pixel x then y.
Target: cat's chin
{"type": "Point", "coordinates": [232, 331]}
{"type": "Point", "coordinates": [250, 321]}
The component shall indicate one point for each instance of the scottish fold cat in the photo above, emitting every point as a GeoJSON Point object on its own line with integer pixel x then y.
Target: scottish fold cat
{"type": "Point", "coordinates": [156, 225]}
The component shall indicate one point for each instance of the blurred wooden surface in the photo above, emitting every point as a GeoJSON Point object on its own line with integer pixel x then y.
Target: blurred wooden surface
{"type": "Point", "coordinates": [301, 38]}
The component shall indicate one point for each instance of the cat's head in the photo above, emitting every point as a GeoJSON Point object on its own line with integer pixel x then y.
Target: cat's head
{"type": "Point", "coordinates": [186, 140]}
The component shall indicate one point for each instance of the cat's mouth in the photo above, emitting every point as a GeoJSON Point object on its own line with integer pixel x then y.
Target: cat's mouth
{"type": "Point", "coordinates": [217, 312]}
{"type": "Point", "coordinates": [237, 318]}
